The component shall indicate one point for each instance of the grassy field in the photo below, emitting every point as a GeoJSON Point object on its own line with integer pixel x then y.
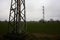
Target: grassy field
{"type": "Point", "coordinates": [48, 28]}
{"type": "Point", "coordinates": [36, 27]}
{"type": "Point", "coordinates": [3, 27]}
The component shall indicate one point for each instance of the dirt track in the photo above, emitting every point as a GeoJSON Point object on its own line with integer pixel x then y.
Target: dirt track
{"type": "Point", "coordinates": [39, 36]}
{"type": "Point", "coordinates": [46, 36]}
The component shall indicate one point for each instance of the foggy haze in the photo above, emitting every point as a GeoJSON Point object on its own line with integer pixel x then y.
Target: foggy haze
{"type": "Point", "coordinates": [34, 9]}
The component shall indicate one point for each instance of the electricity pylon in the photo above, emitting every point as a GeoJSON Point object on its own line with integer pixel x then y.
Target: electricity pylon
{"type": "Point", "coordinates": [43, 13]}
{"type": "Point", "coordinates": [17, 18]}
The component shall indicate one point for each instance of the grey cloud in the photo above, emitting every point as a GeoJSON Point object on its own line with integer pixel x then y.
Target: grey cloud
{"type": "Point", "coordinates": [34, 9]}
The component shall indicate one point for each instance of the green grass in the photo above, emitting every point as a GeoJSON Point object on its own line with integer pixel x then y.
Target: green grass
{"type": "Point", "coordinates": [48, 28]}
{"type": "Point", "coordinates": [3, 27]}
{"type": "Point", "coordinates": [35, 27]}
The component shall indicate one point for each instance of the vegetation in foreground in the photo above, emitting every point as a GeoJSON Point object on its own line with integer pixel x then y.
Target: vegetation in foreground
{"type": "Point", "coordinates": [36, 27]}
{"type": "Point", "coordinates": [39, 30]}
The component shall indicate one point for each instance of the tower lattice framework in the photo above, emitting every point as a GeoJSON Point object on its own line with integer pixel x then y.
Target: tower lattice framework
{"type": "Point", "coordinates": [17, 18]}
{"type": "Point", "coordinates": [43, 13]}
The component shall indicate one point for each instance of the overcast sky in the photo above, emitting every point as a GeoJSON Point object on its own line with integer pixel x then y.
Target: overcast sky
{"type": "Point", "coordinates": [34, 9]}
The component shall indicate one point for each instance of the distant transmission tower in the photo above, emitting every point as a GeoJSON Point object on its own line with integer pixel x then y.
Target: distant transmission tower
{"type": "Point", "coordinates": [17, 18]}
{"type": "Point", "coordinates": [43, 13]}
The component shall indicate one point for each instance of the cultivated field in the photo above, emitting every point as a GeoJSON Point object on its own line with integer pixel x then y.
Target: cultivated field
{"type": "Point", "coordinates": [43, 31]}
{"type": "Point", "coordinates": [48, 28]}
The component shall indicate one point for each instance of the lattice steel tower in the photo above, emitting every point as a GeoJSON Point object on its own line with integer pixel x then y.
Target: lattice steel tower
{"type": "Point", "coordinates": [43, 13]}
{"type": "Point", "coordinates": [17, 18]}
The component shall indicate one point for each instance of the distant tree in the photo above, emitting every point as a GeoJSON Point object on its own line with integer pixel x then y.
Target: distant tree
{"type": "Point", "coordinates": [0, 21]}
{"type": "Point", "coordinates": [57, 21]}
{"type": "Point", "coordinates": [41, 20]}
{"type": "Point", "coordinates": [5, 21]}
{"type": "Point", "coordinates": [51, 20]}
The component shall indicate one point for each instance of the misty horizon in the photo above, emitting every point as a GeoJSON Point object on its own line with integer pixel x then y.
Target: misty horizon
{"type": "Point", "coordinates": [34, 10]}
